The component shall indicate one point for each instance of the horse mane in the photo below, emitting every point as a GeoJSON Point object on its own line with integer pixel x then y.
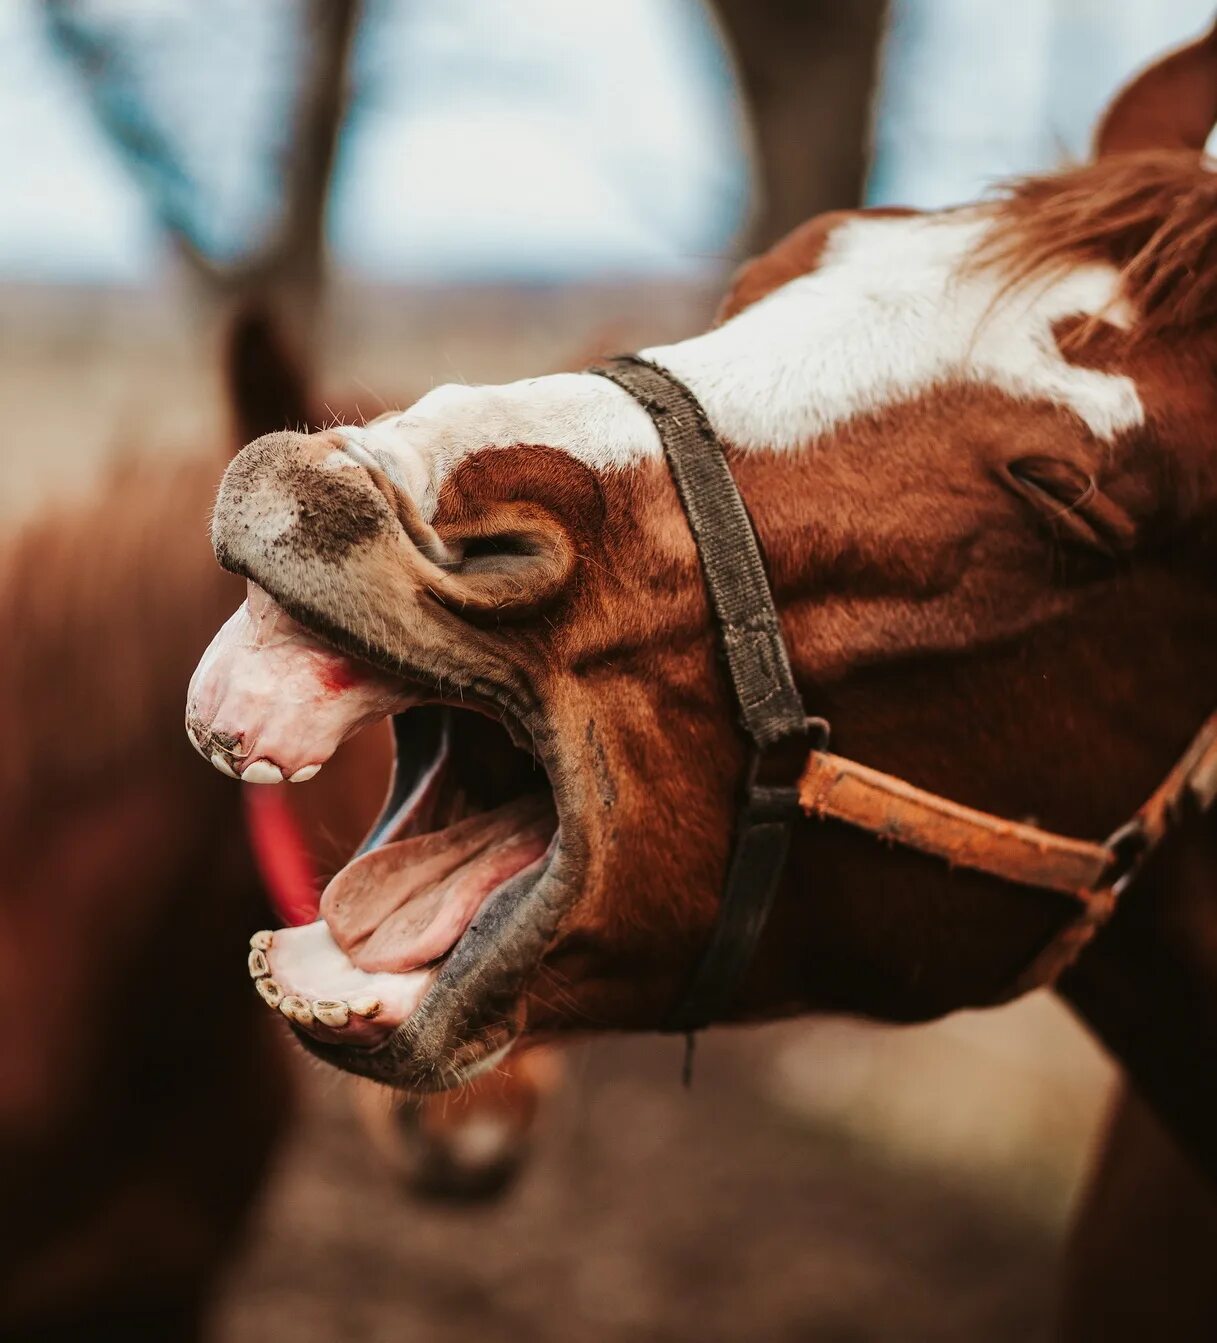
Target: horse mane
{"type": "Point", "coordinates": [1152, 214]}
{"type": "Point", "coordinates": [106, 604]}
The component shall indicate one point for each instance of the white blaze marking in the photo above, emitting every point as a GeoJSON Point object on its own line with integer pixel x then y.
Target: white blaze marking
{"type": "Point", "coordinates": [588, 417]}
{"type": "Point", "coordinates": [889, 314]}
{"type": "Point", "coordinates": [886, 317]}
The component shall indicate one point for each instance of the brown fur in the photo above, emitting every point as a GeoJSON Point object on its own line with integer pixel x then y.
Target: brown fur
{"type": "Point", "coordinates": [1151, 214]}
{"type": "Point", "coordinates": [1172, 104]}
{"type": "Point", "coordinates": [141, 1084]}
{"type": "Point", "coordinates": [126, 884]}
{"type": "Point", "coordinates": [1139, 1262]}
{"type": "Point", "coordinates": [83, 591]}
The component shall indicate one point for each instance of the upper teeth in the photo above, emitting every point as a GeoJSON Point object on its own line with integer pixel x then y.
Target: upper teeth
{"type": "Point", "coordinates": [262, 771]}
{"type": "Point", "coordinates": [222, 765]}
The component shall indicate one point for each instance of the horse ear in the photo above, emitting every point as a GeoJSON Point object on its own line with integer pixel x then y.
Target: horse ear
{"type": "Point", "coordinates": [1172, 104]}
{"type": "Point", "coordinates": [1071, 505]}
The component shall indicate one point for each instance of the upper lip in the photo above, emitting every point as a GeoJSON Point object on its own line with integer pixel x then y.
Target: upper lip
{"type": "Point", "coordinates": [517, 709]}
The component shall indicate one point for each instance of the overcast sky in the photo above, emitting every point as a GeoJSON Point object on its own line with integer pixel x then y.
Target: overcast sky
{"type": "Point", "coordinates": [977, 90]}
{"type": "Point", "coordinates": [536, 139]}
{"type": "Point", "coordinates": [542, 140]}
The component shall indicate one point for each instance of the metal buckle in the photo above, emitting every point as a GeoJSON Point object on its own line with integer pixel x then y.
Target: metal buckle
{"type": "Point", "coordinates": [1129, 846]}
{"type": "Point", "coordinates": [771, 785]}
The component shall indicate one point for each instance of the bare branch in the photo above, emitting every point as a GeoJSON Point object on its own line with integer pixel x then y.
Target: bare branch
{"type": "Point", "coordinates": [289, 267]}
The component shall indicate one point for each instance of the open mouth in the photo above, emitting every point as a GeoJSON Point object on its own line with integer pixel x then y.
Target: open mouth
{"type": "Point", "coordinates": [469, 812]}
{"type": "Point", "coordinates": [470, 824]}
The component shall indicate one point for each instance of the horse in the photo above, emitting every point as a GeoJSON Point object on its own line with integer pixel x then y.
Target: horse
{"type": "Point", "coordinates": [974, 450]}
{"type": "Point", "coordinates": [133, 1139]}
{"type": "Point", "coordinates": [132, 1143]}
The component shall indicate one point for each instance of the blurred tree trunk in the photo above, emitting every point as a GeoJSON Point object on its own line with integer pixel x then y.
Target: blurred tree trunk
{"type": "Point", "coordinates": [808, 72]}
{"type": "Point", "coordinates": [291, 268]}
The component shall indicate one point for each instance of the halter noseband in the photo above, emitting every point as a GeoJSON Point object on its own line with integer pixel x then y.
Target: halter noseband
{"type": "Point", "coordinates": [790, 771]}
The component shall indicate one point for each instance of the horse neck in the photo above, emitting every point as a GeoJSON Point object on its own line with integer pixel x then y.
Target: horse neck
{"type": "Point", "coordinates": [1109, 701]}
{"type": "Point", "coordinates": [1147, 987]}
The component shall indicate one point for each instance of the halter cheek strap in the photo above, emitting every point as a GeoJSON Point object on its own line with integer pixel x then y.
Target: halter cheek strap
{"type": "Point", "coordinates": [790, 772]}
{"type": "Point", "coordinates": [771, 711]}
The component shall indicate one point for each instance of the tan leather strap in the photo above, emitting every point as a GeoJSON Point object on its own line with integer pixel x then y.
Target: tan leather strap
{"type": "Point", "coordinates": [835, 788]}
{"type": "Point", "coordinates": [901, 813]}
{"type": "Point", "coordinates": [1063, 949]}
{"type": "Point", "coordinates": [1193, 780]}
{"type": "Point", "coordinates": [887, 807]}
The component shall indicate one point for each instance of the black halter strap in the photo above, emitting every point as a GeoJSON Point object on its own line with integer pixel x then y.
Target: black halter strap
{"type": "Point", "coordinates": [750, 635]}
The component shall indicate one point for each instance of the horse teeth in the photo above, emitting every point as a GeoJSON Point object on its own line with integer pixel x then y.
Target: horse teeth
{"type": "Point", "coordinates": [365, 1007]}
{"type": "Point", "coordinates": [262, 771]}
{"type": "Point", "coordinates": [297, 1009]}
{"type": "Point", "coordinates": [303, 774]}
{"type": "Point", "coordinates": [269, 991]}
{"type": "Point", "coordinates": [258, 964]}
{"type": "Point", "coordinates": [262, 941]}
{"type": "Point", "coordinates": [330, 1012]}
{"type": "Point", "coordinates": [222, 765]}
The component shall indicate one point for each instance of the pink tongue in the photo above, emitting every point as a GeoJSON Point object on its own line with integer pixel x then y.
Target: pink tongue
{"type": "Point", "coordinates": [405, 904]}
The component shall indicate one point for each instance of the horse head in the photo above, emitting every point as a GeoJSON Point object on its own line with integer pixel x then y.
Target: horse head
{"type": "Point", "coordinates": [974, 446]}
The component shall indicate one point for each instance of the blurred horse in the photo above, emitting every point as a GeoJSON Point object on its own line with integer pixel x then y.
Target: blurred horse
{"type": "Point", "coordinates": [129, 1145]}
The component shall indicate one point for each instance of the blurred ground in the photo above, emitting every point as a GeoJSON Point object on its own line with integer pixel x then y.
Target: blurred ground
{"type": "Point", "coordinates": [649, 1213]}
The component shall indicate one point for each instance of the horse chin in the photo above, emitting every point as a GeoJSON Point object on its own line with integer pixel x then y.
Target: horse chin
{"type": "Point", "coordinates": [400, 1063]}
{"type": "Point", "coordinates": [470, 1008]}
